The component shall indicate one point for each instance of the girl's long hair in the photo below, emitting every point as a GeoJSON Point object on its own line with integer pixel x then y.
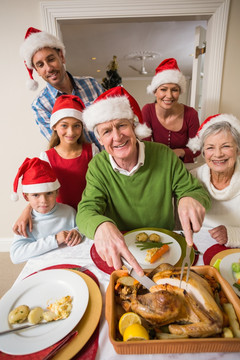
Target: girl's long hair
{"type": "Point", "coordinates": [55, 140]}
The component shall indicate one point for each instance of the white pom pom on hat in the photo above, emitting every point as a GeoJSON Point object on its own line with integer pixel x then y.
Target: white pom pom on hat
{"type": "Point", "coordinates": [35, 40]}
{"type": "Point", "coordinates": [115, 103]}
{"type": "Point", "coordinates": [37, 176]}
{"type": "Point", "coordinates": [167, 72]}
{"type": "Point", "coordinates": [195, 143]}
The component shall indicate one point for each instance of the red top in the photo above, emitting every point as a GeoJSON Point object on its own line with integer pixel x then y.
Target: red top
{"type": "Point", "coordinates": [71, 174]}
{"type": "Point", "coordinates": [173, 139]}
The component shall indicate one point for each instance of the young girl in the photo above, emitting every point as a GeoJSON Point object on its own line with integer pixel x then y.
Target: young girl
{"type": "Point", "coordinates": [68, 155]}
{"type": "Point", "coordinates": [68, 152]}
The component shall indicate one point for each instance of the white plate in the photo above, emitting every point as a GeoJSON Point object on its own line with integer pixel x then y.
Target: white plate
{"type": "Point", "coordinates": [171, 257]}
{"type": "Point", "coordinates": [226, 269]}
{"type": "Point", "coordinates": [42, 289]}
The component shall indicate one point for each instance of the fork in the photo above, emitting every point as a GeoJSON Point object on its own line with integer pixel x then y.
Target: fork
{"type": "Point", "coordinates": [80, 268]}
{"type": "Point", "coordinates": [186, 261]}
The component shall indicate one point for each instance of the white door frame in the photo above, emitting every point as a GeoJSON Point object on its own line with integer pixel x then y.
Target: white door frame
{"type": "Point", "coordinates": [215, 11]}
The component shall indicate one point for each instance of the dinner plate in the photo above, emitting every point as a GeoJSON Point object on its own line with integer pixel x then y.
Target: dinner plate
{"type": "Point", "coordinates": [220, 255]}
{"type": "Point", "coordinates": [88, 323]}
{"type": "Point", "coordinates": [225, 269]}
{"type": "Point", "coordinates": [42, 289]}
{"type": "Point", "coordinates": [171, 257]}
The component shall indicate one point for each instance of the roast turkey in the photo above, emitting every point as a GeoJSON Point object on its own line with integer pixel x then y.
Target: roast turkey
{"type": "Point", "coordinates": [190, 310]}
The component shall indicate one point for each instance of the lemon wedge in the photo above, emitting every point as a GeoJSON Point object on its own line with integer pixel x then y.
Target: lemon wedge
{"type": "Point", "coordinates": [135, 332]}
{"type": "Point", "coordinates": [127, 319]}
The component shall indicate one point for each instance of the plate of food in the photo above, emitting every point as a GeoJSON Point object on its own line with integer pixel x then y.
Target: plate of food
{"type": "Point", "coordinates": [230, 270]}
{"type": "Point", "coordinates": [62, 292]}
{"type": "Point", "coordinates": [153, 247]}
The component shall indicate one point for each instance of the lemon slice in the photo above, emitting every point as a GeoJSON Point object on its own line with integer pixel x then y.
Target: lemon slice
{"type": "Point", "coordinates": [127, 319]}
{"type": "Point", "coordinates": [135, 332]}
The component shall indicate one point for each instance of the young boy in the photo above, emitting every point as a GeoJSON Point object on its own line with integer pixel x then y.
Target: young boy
{"type": "Point", "coordinates": [53, 224]}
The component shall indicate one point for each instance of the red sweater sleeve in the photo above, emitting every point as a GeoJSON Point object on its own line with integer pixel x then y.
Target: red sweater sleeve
{"type": "Point", "coordinates": [191, 118]}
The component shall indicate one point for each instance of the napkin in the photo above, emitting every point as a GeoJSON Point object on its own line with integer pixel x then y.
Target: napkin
{"type": "Point", "coordinates": [213, 250]}
{"type": "Point", "coordinates": [99, 262]}
{"type": "Point", "coordinates": [88, 352]}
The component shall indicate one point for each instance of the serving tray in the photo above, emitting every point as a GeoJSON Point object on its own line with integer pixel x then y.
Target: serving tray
{"type": "Point", "coordinates": [190, 345]}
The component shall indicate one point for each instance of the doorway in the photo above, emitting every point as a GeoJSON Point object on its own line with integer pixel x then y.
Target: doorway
{"type": "Point", "coordinates": [216, 13]}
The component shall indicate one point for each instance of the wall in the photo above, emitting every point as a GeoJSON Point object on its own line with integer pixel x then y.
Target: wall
{"type": "Point", "coordinates": [229, 101]}
{"type": "Point", "coordinates": [20, 135]}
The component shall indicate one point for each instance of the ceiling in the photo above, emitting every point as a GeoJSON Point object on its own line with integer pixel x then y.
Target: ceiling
{"type": "Point", "coordinates": [104, 38]}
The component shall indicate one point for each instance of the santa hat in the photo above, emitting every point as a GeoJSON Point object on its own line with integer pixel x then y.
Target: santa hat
{"type": "Point", "coordinates": [66, 106]}
{"type": "Point", "coordinates": [115, 103]}
{"type": "Point", "coordinates": [37, 176]}
{"type": "Point", "coordinates": [195, 143]}
{"type": "Point", "coordinates": [167, 72]}
{"type": "Point", "coordinates": [35, 40]}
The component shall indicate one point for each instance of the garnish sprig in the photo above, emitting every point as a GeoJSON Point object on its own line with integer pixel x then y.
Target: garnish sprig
{"type": "Point", "coordinates": [145, 245]}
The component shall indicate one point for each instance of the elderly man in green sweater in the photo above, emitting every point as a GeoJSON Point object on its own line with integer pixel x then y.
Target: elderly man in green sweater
{"type": "Point", "coordinates": [131, 183]}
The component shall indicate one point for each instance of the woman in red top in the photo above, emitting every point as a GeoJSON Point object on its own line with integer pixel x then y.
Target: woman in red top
{"type": "Point", "coordinates": [172, 123]}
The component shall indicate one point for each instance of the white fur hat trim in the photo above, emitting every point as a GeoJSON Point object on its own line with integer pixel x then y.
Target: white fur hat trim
{"type": "Point", "coordinates": [63, 113]}
{"type": "Point", "coordinates": [195, 143]}
{"type": "Point", "coordinates": [167, 77]}
{"type": "Point", "coordinates": [37, 41]}
{"type": "Point", "coordinates": [43, 187]}
{"type": "Point", "coordinates": [111, 108]}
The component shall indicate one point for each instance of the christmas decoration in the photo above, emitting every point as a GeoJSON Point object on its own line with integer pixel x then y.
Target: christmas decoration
{"type": "Point", "coordinates": [113, 79]}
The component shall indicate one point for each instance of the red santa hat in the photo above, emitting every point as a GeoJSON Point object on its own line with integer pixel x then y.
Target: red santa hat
{"type": "Point", "coordinates": [195, 143]}
{"type": "Point", "coordinates": [37, 176]}
{"type": "Point", "coordinates": [167, 72]}
{"type": "Point", "coordinates": [66, 106]}
{"type": "Point", "coordinates": [115, 103]}
{"type": "Point", "coordinates": [35, 40]}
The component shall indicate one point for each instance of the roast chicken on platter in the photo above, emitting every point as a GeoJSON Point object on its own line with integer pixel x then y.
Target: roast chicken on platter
{"type": "Point", "coordinates": [190, 310]}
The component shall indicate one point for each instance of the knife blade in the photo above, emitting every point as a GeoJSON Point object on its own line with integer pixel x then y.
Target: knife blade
{"type": "Point", "coordinates": [27, 326]}
{"type": "Point", "coordinates": [144, 280]}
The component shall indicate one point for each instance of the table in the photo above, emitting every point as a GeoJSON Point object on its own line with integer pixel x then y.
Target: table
{"type": "Point", "coordinates": [80, 255]}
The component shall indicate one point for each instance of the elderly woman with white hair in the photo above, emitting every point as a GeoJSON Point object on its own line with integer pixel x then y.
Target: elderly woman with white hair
{"type": "Point", "coordinates": [219, 140]}
{"type": "Point", "coordinates": [130, 184]}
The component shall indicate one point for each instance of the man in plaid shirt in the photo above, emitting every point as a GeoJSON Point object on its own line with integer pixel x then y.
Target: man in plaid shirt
{"type": "Point", "coordinates": [45, 53]}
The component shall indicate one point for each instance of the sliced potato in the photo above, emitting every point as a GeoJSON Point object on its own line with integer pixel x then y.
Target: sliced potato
{"type": "Point", "coordinates": [142, 236]}
{"type": "Point", "coordinates": [35, 315]}
{"type": "Point", "coordinates": [227, 333]}
{"type": "Point", "coordinates": [126, 280]}
{"type": "Point", "coordinates": [18, 315]}
{"type": "Point", "coordinates": [49, 316]}
{"type": "Point", "coordinates": [233, 321]}
{"type": "Point", "coordinates": [154, 237]}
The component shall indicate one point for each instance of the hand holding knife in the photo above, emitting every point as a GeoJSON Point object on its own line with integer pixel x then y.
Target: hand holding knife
{"type": "Point", "coordinates": [144, 280]}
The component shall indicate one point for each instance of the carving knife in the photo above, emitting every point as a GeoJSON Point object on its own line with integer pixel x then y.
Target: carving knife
{"type": "Point", "coordinates": [144, 280]}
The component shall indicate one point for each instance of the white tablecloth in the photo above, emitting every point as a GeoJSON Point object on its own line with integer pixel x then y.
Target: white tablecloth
{"type": "Point", "coordinates": [80, 255]}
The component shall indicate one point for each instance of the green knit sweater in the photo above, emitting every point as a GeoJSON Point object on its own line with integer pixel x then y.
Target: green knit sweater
{"type": "Point", "coordinates": [141, 200]}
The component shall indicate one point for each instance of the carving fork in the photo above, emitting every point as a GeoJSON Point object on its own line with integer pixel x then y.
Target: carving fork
{"type": "Point", "coordinates": [186, 261]}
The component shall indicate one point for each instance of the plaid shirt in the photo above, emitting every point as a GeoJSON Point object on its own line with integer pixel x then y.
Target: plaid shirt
{"type": "Point", "coordinates": [87, 88]}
